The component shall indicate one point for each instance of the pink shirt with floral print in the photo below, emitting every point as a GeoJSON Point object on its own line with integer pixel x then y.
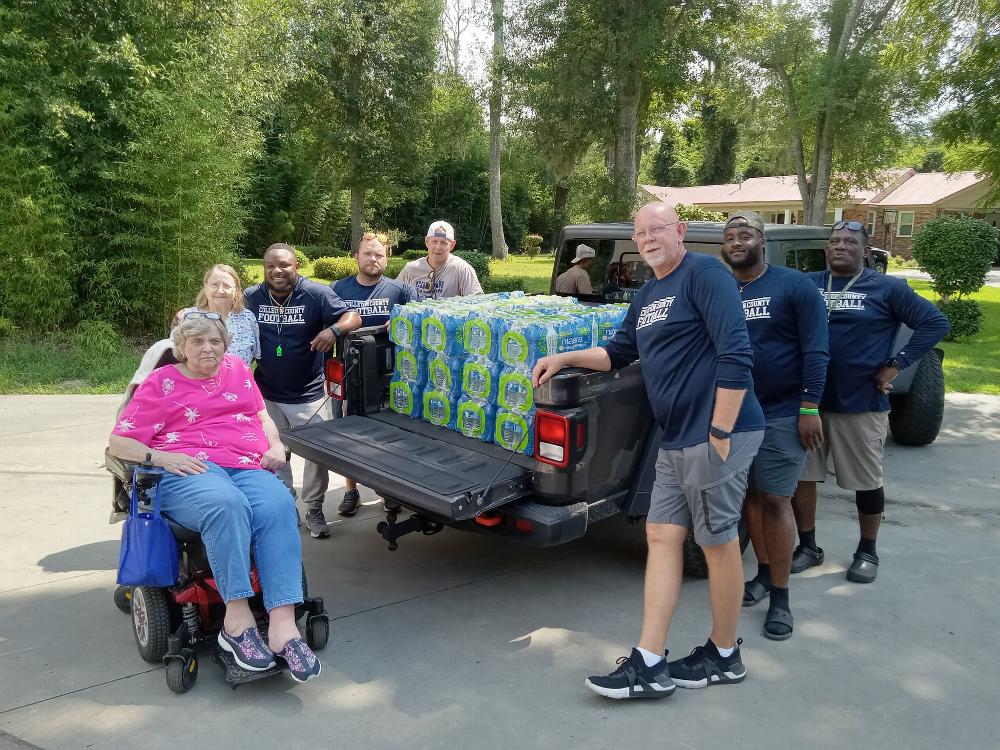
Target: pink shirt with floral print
{"type": "Point", "coordinates": [213, 419]}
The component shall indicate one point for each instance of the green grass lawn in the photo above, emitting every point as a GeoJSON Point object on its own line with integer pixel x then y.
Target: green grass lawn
{"type": "Point", "coordinates": [973, 365]}
{"type": "Point", "coordinates": [536, 272]}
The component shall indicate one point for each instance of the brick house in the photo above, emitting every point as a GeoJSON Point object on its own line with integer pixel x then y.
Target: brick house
{"type": "Point", "coordinates": [903, 200]}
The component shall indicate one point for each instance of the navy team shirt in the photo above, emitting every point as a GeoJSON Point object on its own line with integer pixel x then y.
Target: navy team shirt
{"type": "Point", "coordinates": [373, 303]}
{"type": "Point", "coordinates": [689, 332]}
{"type": "Point", "coordinates": [296, 377]}
{"type": "Point", "coordinates": [787, 324]}
{"type": "Point", "coordinates": [863, 326]}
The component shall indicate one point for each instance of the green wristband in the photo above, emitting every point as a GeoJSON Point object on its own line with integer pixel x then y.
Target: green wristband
{"type": "Point", "coordinates": [812, 412]}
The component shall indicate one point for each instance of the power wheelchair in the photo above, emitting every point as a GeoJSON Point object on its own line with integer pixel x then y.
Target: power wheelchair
{"type": "Point", "coordinates": [169, 624]}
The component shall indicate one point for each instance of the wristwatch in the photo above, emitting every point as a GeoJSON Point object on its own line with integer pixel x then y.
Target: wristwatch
{"type": "Point", "coordinates": [894, 363]}
{"type": "Point", "coordinates": [336, 331]}
{"type": "Point", "coordinates": [719, 433]}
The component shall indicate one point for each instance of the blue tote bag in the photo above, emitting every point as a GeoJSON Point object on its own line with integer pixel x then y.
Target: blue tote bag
{"type": "Point", "coordinates": [148, 553]}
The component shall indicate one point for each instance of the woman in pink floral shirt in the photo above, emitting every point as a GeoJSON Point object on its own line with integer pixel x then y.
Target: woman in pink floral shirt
{"type": "Point", "coordinates": [203, 420]}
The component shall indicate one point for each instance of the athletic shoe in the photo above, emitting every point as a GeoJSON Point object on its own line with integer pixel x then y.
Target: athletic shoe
{"type": "Point", "coordinates": [317, 525]}
{"type": "Point", "coordinates": [302, 662]}
{"type": "Point", "coordinates": [704, 666]}
{"type": "Point", "coordinates": [806, 557]}
{"type": "Point", "coordinates": [349, 505]}
{"type": "Point", "coordinates": [633, 679]}
{"type": "Point", "coordinates": [248, 649]}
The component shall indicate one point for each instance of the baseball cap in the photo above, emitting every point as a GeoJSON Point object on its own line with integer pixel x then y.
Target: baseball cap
{"type": "Point", "coordinates": [441, 229]}
{"type": "Point", "coordinates": [583, 252]}
{"type": "Point", "coordinates": [752, 218]}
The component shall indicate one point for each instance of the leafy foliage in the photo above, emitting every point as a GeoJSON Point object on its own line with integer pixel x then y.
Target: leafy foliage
{"type": "Point", "coordinates": [964, 315]}
{"type": "Point", "coordinates": [479, 261]}
{"type": "Point", "coordinates": [697, 213]}
{"type": "Point", "coordinates": [503, 284]}
{"type": "Point", "coordinates": [332, 269]}
{"type": "Point", "coordinates": [956, 252]}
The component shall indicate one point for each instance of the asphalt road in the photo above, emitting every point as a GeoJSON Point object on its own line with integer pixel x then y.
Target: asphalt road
{"type": "Point", "coordinates": [457, 639]}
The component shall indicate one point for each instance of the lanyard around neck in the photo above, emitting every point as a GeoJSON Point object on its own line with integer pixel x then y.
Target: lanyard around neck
{"type": "Point", "coordinates": [831, 301]}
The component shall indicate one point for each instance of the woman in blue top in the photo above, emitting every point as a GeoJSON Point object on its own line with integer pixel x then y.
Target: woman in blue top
{"type": "Point", "coordinates": [222, 293]}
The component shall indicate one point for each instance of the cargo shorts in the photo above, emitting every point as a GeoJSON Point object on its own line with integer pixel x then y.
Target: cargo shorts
{"type": "Point", "coordinates": [695, 488]}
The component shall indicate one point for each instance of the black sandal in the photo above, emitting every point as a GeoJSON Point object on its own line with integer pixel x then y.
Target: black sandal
{"type": "Point", "coordinates": [754, 591]}
{"type": "Point", "coordinates": [778, 625]}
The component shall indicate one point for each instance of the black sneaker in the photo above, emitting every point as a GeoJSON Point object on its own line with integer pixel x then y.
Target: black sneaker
{"type": "Point", "coordinates": [806, 557]}
{"type": "Point", "coordinates": [704, 666]}
{"type": "Point", "coordinates": [349, 505]}
{"type": "Point", "coordinates": [317, 525]}
{"type": "Point", "coordinates": [633, 679]}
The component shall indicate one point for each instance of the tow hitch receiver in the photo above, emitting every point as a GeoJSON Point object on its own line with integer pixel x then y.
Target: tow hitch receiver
{"type": "Point", "coordinates": [391, 531]}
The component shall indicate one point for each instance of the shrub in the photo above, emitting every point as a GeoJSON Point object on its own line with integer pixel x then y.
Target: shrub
{"type": "Point", "coordinates": [313, 252]}
{"type": "Point", "coordinates": [697, 213]}
{"type": "Point", "coordinates": [414, 254]}
{"type": "Point", "coordinates": [503, 284]}
{"type": "Point", "coordinates": [479, 261]}
{"type": "Point", "coordinates": [96, 340]}
{"type": "Point", "coordinates": [964, 315]}
{"type": "Point", "coordinates": [957, 253]}
{"type": "Point", "coordinates": [301, 257]}
{"type": "Point", "coordinates": [532, 243]}
{"type": "Point", "coordinates": [394, 266]}
{"type": "Point", "coordinates": [332, 269]}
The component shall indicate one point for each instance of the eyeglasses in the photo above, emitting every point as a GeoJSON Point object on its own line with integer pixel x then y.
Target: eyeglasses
{"type": "Point", "coordinates": [658, 229]}
{"type": "Point", "coordinates": [200, 314]}
{"type": "Point", "coordinates": [854, 226]}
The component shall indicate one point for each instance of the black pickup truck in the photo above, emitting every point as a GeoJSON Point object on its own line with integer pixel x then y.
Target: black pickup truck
{"type": "Point", "coordinates": [595, 439]}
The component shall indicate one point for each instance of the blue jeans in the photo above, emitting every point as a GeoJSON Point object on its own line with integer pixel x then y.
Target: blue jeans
{"type": "Point", "coordinates": [233, 509]}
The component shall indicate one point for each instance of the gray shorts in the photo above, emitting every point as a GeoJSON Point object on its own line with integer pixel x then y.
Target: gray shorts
{"type": "Point", "coordinates": [695, 488]}
{"type": "Point", "coordinates": [778, 464]}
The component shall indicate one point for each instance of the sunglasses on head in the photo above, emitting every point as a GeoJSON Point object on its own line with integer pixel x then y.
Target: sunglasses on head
{"type": "Point", "coordinates": [853, 225]}
{"type": "Point", "coordinates": [200, 314]}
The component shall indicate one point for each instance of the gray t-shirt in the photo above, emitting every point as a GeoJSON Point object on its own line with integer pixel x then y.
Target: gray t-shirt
{"type": "Point", "coordinates": [455, 278]}
{"type": "Point", "coordinates": [574, 281]}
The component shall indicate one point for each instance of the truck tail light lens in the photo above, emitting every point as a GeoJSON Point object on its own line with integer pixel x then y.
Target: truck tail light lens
{"type": "Point", "coordinates": [335, 379]}
{"type": "Point", "coordinates": [552, 439]}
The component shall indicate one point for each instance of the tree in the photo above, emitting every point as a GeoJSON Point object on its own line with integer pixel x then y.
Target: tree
{"type": "Point", "coordinates": [496, 106]}
{"type": "Point", "coordinates": [369, 76]}
{"type": "Point", "coordinates": [668, 169]}
{"type": "Point", "coordinates": [721, 136]}
{"type": "Point", "coordinates": [842, 97]}
{"type": "Point", "coordinates": [456, 18]}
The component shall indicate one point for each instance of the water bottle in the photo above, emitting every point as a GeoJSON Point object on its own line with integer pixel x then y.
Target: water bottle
{"type": "Point", "coordinates": [515, 431]}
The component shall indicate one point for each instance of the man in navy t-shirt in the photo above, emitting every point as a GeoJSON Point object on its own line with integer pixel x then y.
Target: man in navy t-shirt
{"type": "Point", "coordinates": [787, 325]}
{"type": "Point", "coordinates": [372, 296]}
{"type": "Point", "coordinates": [686, 326]}
{"type": "Point", "coordinates": [299, 321]}
{"type": "Point", "coordinates": [865, 310]}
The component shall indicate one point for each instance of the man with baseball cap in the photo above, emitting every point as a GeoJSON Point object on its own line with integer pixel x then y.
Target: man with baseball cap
{"type": "Point", "coordinates": [787, 326]}
{"type": "Point", "coordinates": [576, 279]}
{"type": "Point", "coordinates": [440, 274]}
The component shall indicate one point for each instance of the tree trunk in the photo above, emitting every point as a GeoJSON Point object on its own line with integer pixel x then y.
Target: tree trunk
{"type": "Point", "coordinates": [560, 195]}
{"type": "Point", "coordinates": [354, 157]}
{"type": "Point", "coordinates": [357, 214]}
{"type": "Point", "coordinates": [496, 103]}
{"type": "Point", "coordinates": [624, 166]}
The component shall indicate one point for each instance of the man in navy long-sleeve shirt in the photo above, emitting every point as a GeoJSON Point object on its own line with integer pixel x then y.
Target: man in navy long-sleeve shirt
{"type": "Point", "coordinates": [787, 325]}
{"type": "Point", "coordinates": [686, 325]}
{"type": "Point", "coordinates": [865, 310]}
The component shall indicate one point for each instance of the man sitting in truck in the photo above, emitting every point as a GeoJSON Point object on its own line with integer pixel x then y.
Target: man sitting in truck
{"type": "Point", "coordinates": [864, 311]}
{"type": "Point", "coordinates": [787, 326]}
{"type": "Point", "coordinates": [440, 274]}
{"type": "Point", "coordinates": [372, 296]}
{"type": "Point", "coordinates": [686, 325]}
{"type": "Point", "coordinates": [576, 279]}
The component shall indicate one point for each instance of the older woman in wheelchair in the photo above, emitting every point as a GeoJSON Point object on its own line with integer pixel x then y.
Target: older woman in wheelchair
{"type": "Point", "coordinates": [203, 421]}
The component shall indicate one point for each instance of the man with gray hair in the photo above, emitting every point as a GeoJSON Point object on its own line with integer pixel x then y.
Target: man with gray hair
{"type": "Point", "coordinates": [576, 279]}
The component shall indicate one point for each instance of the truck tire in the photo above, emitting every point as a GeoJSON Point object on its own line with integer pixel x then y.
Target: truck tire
{"type": "Point", "coordinates": [694, 559]}
{"type": "Point", "coordinates": [915, 417]}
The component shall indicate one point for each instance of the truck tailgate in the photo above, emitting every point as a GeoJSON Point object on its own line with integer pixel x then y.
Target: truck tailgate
{"type": "Point", "coordinates": [442, 473]}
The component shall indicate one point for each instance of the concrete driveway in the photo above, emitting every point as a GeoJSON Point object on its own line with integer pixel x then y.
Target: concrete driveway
{"type": "Point", "coordinates": [457, 640]}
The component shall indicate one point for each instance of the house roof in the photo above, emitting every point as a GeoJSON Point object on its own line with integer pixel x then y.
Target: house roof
{"type": "Point", "coordinates": [928, 188]}
{"type": "Point", "coordinates": [898, 187]}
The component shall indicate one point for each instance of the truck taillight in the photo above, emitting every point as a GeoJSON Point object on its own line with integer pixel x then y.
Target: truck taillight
{"type": "Point", "coordinates": [335, 379]}
{"type": "Point", "coordinates": [552, 439]}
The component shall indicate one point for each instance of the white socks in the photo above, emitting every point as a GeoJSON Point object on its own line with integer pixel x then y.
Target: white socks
{"type": "Point", "coordinates": [649, 657]}
{"type": "Point", "coordinates": [725, 653]}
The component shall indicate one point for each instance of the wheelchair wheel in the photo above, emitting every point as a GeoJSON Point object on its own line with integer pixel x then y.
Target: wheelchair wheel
{"type": "Point", "coordinates": [150, 622]}
{"type": "Point", "coordinates": [181, 673]}
{"type": "Point", "coordinates": [317, 632]}
{"type": "Point", "coordinates": [123, 598]}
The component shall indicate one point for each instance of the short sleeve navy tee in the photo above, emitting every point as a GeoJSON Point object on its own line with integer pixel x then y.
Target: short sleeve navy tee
{"type": "Point", "coordinates": [373, 303]}
{"type": "Point", "coordinates": [689, 332]}
{"type": "Point", "coordinates": [863, 325]}
{"type": "Point", "coordinates": [787, 324]}
{"type": "Point", "coordinates": [296, 376]}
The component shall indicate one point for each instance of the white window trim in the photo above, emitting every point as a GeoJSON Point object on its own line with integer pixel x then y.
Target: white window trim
{"type": "Point", "coordinates": [870, 223]}
{"type": "Point", "coordinates": [900, 223]}
{"type": "Point", "coordinates": [838, 215]}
